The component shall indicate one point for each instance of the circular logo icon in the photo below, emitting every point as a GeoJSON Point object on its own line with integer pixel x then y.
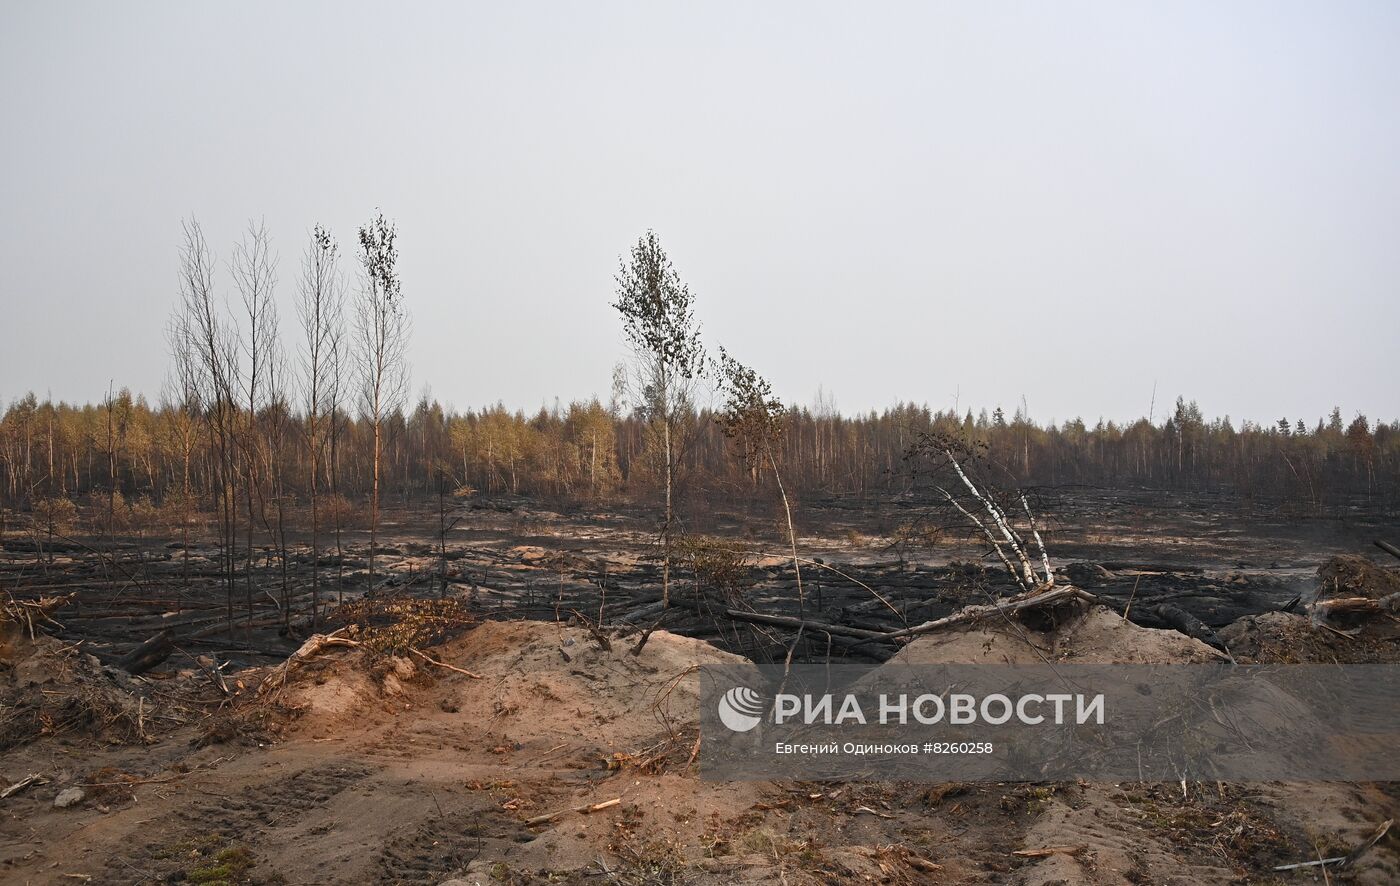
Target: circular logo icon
{"type": "Point", "coordinates": [741, 709]}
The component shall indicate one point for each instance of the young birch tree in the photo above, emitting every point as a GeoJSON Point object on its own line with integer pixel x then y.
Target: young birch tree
{"type": "Point", "coordinates": [659, 321]}
{"type": "Point", "coordinates": [952, 466]}
{"type": "Point", "coordinates": [753, 419]}
{"type": "Point", "coordinates": [322, 296]}
{"type": "Point", "coordinates": [381, 329]}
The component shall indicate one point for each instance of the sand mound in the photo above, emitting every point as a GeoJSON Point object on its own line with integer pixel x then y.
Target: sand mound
{"type": "Point", "coordinates": [537, 681]}
{"type": "Point", "coordinates": [327, 689]}
{"type": "Point", "coordinates": [1289, 638]}
{"type": "Point", "coordinates": [1100, 636]}
{"type": "Point", "coordinates": [48, 687]}
{"type": "Point", "coordinates": [1350, 575]}
{"type": "Point", "coordinates": [545, 679]}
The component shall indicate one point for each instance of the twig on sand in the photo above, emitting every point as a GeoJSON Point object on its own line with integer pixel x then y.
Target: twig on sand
{"type": "Point", "coordinates": [1128, 608]}
{"type": "Point", "coordinates": [585, 809]}
{"type": "Point", "coordinates": [32, 778]}
{"type": "Point", "coordinates": [595, 630]}
{"type": "Point", "coordinates": [1046, 851]}
{"type": "Point", "coordinates": [442, 664]}
{"type": "Point", "coordinates": [1344, 861]}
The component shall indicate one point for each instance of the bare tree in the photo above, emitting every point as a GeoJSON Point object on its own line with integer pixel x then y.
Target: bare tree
{"type": "Point", "coordinates": [205, 347]}
{"type": "Point", "coordinates": [753, 418]}
{"type": "Point", "coordinates": [322, 296]}
{"type": "Point", "coordinates": [180, 406]}
{"type": "Point", "coordinates": [254, 269]}
{"type": "Point", "coordinates": [659, 322]}
{"type": "Point", "coordinates": [276, 421]}
{"type": "Point", "coordinates": [381, 328]}
{"type": "Point", "coordinates": [339, 357]}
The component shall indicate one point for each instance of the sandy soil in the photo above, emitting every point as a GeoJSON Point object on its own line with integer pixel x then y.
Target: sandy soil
{"type": "Point", "coordinates": [374, 768]}
{"type": "Point", "coordinates": [380, 769]}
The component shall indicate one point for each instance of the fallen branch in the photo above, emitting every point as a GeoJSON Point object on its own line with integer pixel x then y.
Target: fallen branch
{"type": "Point", "coordinates": [443, 664]}
{"type": "Point", "coordinates": [1365, 845]}
{"type": "Point", "coordinates": [1031, 600]}
{"type": "Point", "coordinates": [646, 635]}
{"type": "Point", "coordinates": [1131, 597]}
{"type": "Point", "coordinates": [162, 780]}
{"type": "Point", "coordinates": [1045, 851]}
{"type": "Point", "coordinates": [586, 809]}
{"type": "Point", "coordinates": [1188, 624]}
{"type": "Point", "coordinates": [829, 568]}
{"type": "Point", "coordinates": [781, 621]}
{"type": "Point", "coordinates": [595, 630]}
{"type": "Point", "coordinates": [215, 672]}
{"type": "Point", "coordinates": [32, 778]}
{"type": "Point", "coordinates": [786, 621]}
{"type": "Point", "coordinates": [1353, 605]}
{"type": "Point", "coordinates": [1299, 865]}
{"type": "Point", "coordinates": [314, 645]}
{"type": "Point", "coordinates": [1344, 861]}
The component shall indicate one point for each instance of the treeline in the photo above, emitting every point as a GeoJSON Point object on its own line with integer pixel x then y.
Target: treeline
{"type": "Point", "coordinates": [266, 426]}
{"type": "Point", "coordinates": [589, 451]}
{"type": "Point", "coordinates": [262, 416]}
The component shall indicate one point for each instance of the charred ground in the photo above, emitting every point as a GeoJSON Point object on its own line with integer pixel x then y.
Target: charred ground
{"type": "Point", "coordinates": [486, 760]}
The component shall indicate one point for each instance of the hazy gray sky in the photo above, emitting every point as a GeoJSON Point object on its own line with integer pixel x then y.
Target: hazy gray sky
{"type": "Point", "coordinates": [1064, 201]}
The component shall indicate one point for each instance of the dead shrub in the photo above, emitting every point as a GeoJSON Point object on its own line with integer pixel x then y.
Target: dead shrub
{"type": "Point", "coordinates": [720, 565]}
{"type": "Point", "coordinates": [109, 785]}
{"type": "Point", "coordinates": [52, 517]}
{"type": "Point", "coordinates": [393, 625]}
{"type": "Point", "coordinates": [341, 511]}
{"type": "Point", "coordinates": [247, 726]}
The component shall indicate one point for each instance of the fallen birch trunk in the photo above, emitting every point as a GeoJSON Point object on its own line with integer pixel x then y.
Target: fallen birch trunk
{"type": "Point", "coordinates": [1357, 605]}
{"type": "Point", "coordinates": [1031, 600]}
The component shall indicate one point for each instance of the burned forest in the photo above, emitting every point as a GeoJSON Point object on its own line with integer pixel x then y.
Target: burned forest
{"type": "Point", "coordinates": [466, 444]}
{"type": "Point", "coordinates": [243, 624]}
